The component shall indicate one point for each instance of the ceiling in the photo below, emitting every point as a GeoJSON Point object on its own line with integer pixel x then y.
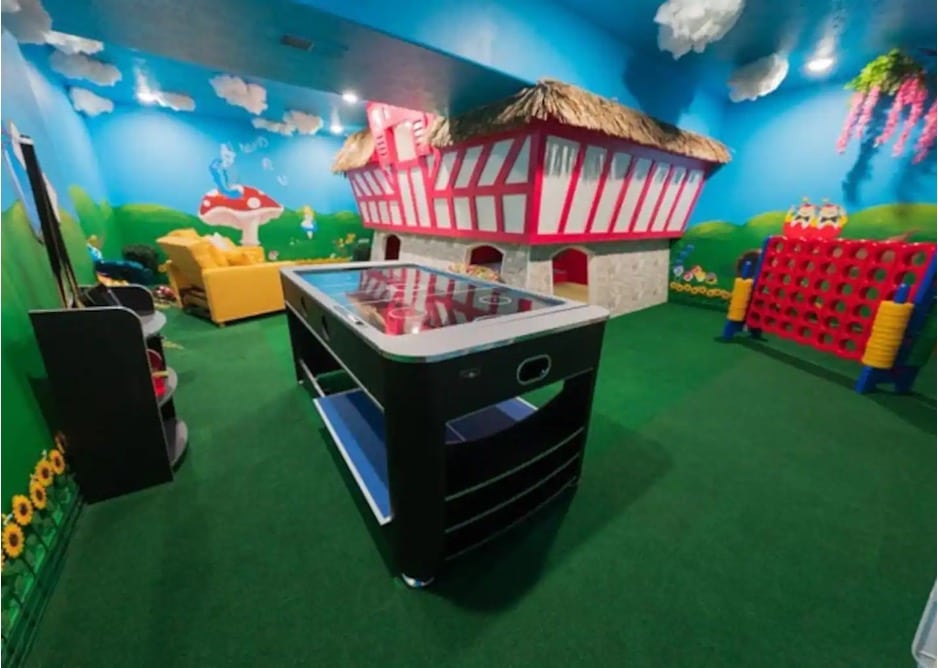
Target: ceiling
{"type": "Point", "coordinates": [244, 38]}
{"type": "Point", "coordinates": [860, 29]}
{"type": "Point", "coordinates": [175, 76]}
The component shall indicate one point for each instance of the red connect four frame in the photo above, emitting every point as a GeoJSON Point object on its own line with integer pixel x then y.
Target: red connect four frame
{"type": "Point", "coordinates": [824, 294]}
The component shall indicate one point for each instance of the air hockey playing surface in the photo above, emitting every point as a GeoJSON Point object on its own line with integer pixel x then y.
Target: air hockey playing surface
{"type": "Point", "coordinates": [434, 432]}
{"type": "Point", "coordinates": [414, 312]}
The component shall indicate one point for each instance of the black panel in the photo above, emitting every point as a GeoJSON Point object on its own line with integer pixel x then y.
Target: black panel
{"type": "Point", "coordinates": [469, 464]}
{"type": "Point", "coordinates": [472, 504]}
{"type": "Point", "coordinates": [476, 380]}
{"type": "Point", "coordinates": [98, 368]}
{"type": "Point", "coordinates": [476, 533]}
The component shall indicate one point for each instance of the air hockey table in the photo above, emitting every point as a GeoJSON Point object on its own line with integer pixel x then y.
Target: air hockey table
{"type": "Point", "coordinates": [433, 430]}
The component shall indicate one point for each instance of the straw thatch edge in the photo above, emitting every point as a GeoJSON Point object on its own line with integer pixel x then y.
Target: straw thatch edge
{"type": "Point", "coordinates": [551, 101]}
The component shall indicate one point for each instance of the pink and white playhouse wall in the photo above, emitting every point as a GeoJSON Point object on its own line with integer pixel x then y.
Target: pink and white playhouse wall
{"type": "Point", "coordinates": [550, 207]}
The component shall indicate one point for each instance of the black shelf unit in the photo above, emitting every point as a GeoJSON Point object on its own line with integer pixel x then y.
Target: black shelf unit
{"type": "Point", "coordinates": [122, 437]}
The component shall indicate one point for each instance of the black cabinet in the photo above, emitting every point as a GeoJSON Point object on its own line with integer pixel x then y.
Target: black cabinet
{"type": "Point", "coordinates": [122, 435]}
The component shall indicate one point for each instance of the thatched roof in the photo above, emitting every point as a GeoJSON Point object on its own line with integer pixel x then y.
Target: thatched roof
{"type": "Point", "coordinates": [553, 101]}
{"type": "Point", "coordinates": [355, 152]}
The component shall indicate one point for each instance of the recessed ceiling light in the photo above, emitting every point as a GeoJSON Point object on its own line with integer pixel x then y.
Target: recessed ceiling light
{"type": "Point", "coordinates": [820, 64]}
{"type": "Point", "coordinates": [335, 128]}
{"type": "Point", "coordinates": [350, 97]}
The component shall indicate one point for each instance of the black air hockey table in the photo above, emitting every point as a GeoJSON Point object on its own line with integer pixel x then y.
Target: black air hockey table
{"type": "Point", "coordinates": [434, 433]}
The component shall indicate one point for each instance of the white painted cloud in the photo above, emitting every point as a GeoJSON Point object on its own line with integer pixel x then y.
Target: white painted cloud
{"type": "Point", "coordinates": [758, 78]}
{"type": "Point", "coordinates": [285, 129]}
{"type": "Point", "coordinates": [175, 101]}
{"type": "Point", "coordinates": [27, 20]}
{"type": "Point", "coordinates": [72, 44]}
{"type": "Point", "coordinates": [89, 103]}
{"type": "Point", "coordinates": [150, 93]}
{"type": "Point", "coordinates": [685, 25]}
{"type": "Point", "coordinates": [80, 66]}
{"type": "Point", "coordinates": [239, 93]}
{"type": "Point", "coordinates": [305, 124]}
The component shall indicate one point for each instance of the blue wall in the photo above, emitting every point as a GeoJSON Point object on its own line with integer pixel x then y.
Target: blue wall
{"type": "Point", "coordinates": [155, 156]}
{"type": "Point", "coordinates": [533, 39]}
{"type": "Point", "coordinates": [783, 150]}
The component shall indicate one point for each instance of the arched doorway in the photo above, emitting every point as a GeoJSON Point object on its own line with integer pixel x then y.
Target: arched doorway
{"type": "Point", "coordinates": [392, 247]}
{"type": "Point", "coordinates": [571, 274]}
{"type": "Point", "coordinates": [487, 256]}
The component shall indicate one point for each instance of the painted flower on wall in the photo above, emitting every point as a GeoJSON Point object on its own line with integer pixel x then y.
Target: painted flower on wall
{"type": "Point", "coordinates": [901, 77]}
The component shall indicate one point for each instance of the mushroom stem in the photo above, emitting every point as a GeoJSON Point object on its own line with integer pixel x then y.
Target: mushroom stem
{"type": "Point", "coordinates": [249, 233]}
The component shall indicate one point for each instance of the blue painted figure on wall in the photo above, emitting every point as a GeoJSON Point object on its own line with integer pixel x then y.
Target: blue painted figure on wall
{"type": "Point", "coordinates": [236, 205]}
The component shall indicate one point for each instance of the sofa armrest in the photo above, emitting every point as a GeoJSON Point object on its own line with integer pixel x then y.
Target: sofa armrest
{"type": "Point", "coordinates": [240, 292]}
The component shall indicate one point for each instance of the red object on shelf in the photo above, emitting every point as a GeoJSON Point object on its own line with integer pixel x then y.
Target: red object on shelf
{"type": "Point", "coordinates": [824, 293]}
{"type": "Point", "coordinates": [158, 372]}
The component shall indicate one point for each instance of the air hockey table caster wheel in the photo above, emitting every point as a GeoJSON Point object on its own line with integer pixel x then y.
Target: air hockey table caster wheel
{"type": "Point", "coordinates": [414, 583]}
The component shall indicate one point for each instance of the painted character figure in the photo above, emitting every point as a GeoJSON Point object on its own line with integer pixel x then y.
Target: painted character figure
{"type": "Point", "coordinates": [831, 219]}
{"type": "Point", "coordinates": [801, 221]}
{"type": "Point", "coordinates": [309, 222]}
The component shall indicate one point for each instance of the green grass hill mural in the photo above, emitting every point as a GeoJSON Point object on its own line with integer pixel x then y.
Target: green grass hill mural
{"type": "Point", "coordinates": [704, 261]}
{"type": "Point", "coordinates": [339, 234]}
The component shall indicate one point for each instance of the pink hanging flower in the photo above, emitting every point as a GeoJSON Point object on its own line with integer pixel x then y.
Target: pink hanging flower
{"type": "Point", "coordinates": [895, 112]}
{"type": "Point", "coordinates": [856, 102]}
{"type": "Point", "coordinates": [869, 104]}
{"type": "Point", "coordinates": [927, 137]}
{"type": "Point", "coordinates": [917, 98]}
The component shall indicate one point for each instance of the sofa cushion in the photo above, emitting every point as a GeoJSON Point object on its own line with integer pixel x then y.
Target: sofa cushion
{"type": "Point", "coordinates": [237, 258]}
{"type": "Point", "coordinates": [204, 254]}
{"type": "Point", "coordinates": [188, 232]}
{"type": "Point", "coordinates": [222, 242]}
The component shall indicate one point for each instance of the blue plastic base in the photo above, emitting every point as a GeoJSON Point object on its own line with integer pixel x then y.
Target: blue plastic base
{"type": "Point", "coordinates": [357, 427]}
{"type": "Point", "coordinates": [902, 378]}
{"type": "Point", "coordinates": [731, 329]}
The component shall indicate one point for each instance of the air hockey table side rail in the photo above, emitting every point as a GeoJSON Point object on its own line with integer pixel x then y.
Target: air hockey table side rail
{"type": "Point", "coordinates": [447, 465]}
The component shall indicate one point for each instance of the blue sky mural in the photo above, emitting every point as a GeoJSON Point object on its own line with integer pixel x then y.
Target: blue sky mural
{"type": "Point", "coordinates": [156, 156]}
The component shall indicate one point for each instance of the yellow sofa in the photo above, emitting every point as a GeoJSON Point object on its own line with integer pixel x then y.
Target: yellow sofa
{"type": "Point", "coordinates": [230, 282]}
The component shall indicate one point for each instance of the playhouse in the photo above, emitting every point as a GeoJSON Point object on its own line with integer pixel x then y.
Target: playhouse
{"type": "Point", "coordinates": [555, 189]}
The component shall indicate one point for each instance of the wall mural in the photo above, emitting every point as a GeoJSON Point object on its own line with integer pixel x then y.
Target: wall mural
{"type": "Point", "coordinates": [710, 255]}
{"type": "Point", "coordinates": [235, 200]}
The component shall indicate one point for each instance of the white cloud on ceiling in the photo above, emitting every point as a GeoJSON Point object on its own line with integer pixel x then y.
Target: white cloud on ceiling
{"type": "Point", "coordinates": [72, 44]}
{"type": "Point", "coordinates": [285, 129]}
{"type": "Point", "coordinates": [80, 66]}
{"type": "Point", "coordinates": [175, 101]}
{"type": "Point", "coordinates": [758, 78]}
{"type": "Point", "coordinates": [305, 124]}
{"type": "Point", "coordinates": [151, 94]}
{"type": "Point", "coordinates": [685, 25]}
{"type": "Point", "coordinates": [238, 92]}
{"type": "Point", "coordinates": [90, 103]}
{"type": "Point", "coordinates": [27, 20]}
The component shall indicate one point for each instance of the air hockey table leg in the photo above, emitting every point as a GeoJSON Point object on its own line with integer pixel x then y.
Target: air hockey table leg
{"type": "Point", "coordinates": [414, 441]}
{"type": "Point", "coordinates": [413, 583]}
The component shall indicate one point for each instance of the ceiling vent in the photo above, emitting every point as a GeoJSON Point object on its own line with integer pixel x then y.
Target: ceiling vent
{"type": "Point", "coordinates": [294, 42]}
{"type": "Point", "coordinates": [322, 47]}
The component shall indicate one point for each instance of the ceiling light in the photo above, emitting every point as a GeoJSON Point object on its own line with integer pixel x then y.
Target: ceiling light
{"type": "Point", "coordinates": [350, 97]}
{"type": "Point", "coordinates": [820, 64]}
{"type": "Point", "coordinates": [147, 97]}
{"type": "Point", "coordinates": [335, 128]}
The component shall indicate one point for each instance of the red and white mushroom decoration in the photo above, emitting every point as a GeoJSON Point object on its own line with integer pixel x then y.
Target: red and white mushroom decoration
{"type": "Point", "coordinates": [246, 213]}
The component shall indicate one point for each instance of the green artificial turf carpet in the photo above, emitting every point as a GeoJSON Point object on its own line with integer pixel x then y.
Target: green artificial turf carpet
{"type": "Point", "coordinates": [740, 506]}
